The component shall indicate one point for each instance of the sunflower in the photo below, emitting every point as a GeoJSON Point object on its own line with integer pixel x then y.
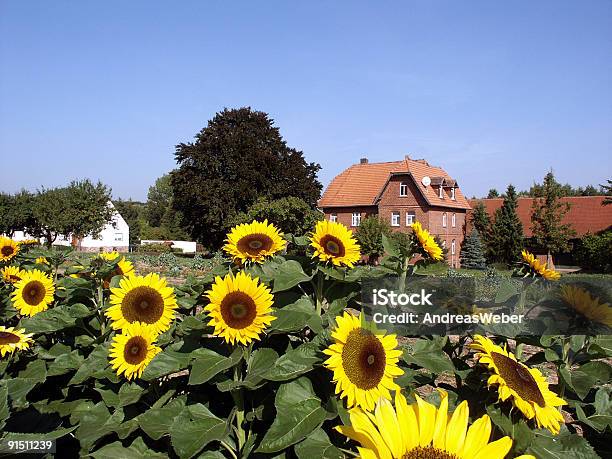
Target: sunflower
{"type": "Point", "coordinates": [11, 339]}
{"type": "Point", "coordinates": [29, 242]}
{"type": "Point", "coordinates": [423, 431]}
{"type": "Point", "coordinates": [587, 306]}
{"type": "Point", "coordinates": [254, 241]}
{"type": "Point", "coordinates": [332, 241]}
{"type": "Point", "coordinates": [240, 308]}
{"type": "Point", "coordinates": [41, 261]}
{"type": "Point", "coordinates": [525, 387]}
{"type": "Point", "coordinates": [33, 292]}
{"type": "Point", "coordinates": [427, 242]}
{"type": "Point", "coordinates": [538, 268]}
{"type": "Point", "coordinates": [12, 274]}
{"type": "Point", "coordinates": [124, 267]}
{"type": "Point", "coordinates": [133, 350]}
{"type": "Point", "coordinates": [146, 299]}
{"type": "Point", "coordinates": [8, 249]}
{"type": "Point", "coordinates": [364, 362]}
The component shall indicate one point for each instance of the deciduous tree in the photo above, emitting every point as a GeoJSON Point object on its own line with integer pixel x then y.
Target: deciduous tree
{"type": "Point", "coordinates": [291, 215]}
{"type": "Point", "coordinates": [236, 159]}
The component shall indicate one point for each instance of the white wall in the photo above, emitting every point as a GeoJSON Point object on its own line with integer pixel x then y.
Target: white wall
{"type": "Point", "coordinates": [185, 246]}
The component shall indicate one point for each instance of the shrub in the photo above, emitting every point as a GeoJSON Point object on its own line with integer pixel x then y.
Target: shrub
{"type": "Point", "coordinates": [369, 235]}
{"type": "Point", "coordinates": [594, 252]}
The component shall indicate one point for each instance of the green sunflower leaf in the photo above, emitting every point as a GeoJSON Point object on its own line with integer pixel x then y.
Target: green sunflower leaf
{"type": "Point", "coordinates": [137, 450]}
{"type": "Point", "coordinates": [317, 445]}
{"type": "Point", "coordinates": [288, 275]}
{"type": "Point", "coordinates": [208, 363]}
{"type": "Point", "coordinates": [298, 414]}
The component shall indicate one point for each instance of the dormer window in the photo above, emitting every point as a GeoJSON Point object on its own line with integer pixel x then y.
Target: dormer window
{"type": "Point", "coordinates": [403, 189]}
{"type": "Point", "coordinates": [453, 193]}
{"type": "Point", "coordinates": [441, 192]}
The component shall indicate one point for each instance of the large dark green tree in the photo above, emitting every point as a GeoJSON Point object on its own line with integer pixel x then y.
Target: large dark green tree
{"type": "Point", "coordinates": [547, 212]}
{"type": "Point", "coordinates": [507, 230]}
{"type": "Point", "coordinates": [238, 158]}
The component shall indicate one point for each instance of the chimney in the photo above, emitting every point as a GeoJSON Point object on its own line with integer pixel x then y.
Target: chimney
{"type": "Point", "coordinates": [406, 157]}
{"type": "Point", "coordinates": [363, 161]}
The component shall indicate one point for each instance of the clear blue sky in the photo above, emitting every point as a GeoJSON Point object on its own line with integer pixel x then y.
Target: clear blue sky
{"type": "Point", "coordinates": [495, 92]}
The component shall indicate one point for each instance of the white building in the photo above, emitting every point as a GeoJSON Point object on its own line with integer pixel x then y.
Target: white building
{"type": "Point", "coordinates": [114, 236]}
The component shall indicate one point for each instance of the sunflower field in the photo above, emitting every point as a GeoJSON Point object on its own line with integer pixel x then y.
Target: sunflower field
{"type": "Point", "coordinates": [273, 354]}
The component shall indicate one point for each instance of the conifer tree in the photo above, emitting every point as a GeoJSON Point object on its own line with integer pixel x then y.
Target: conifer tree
{"type": "Point", "coordinates": [507, 230]}
{"type": "Point", "coordinates": [547, 214]}
{"type": "Point", "coordinates": [472, 252]}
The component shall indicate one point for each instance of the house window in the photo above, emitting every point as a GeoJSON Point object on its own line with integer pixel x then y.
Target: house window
{"type": "Point", "coordinates": [403, 189]}
{"type": "Point", "coordinates": [333, 217]}
{"type": "Point", "coordinates": [118, 236]}
{"type": "Point", "coordinates": [395, 219]}
{"type": "Point", "coordinates": [454, 220]}
{"type": "Point", "coordinates": [356, 219]}
{"type": "Point", "coordinates": [441, 192]}
{"type": "Point", "coordinates": [453, 247]}
{"type": "Point", "coordinates": [444, 220]}
{"type": "Point", "coordinates": [410, 218]}
{"type": "Point", "coordinates": [453, 193]}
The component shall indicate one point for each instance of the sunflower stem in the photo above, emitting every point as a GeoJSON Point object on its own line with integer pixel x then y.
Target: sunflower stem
{"type": "Point", "coordinates": [238, 397]}
{"type": "Point", "coordinates": [319, 292]}
{"type": "Point", "coordinates": [565, 350]}
{"type": "Point", "coordinates": [403, 274]}
{"type": "Point", "coordinates": [100, 304]}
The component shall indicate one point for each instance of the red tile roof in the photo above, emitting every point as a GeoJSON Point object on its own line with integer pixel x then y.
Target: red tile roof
{"type": "Point", "coordinates": [361, 184]}
{"type": "Point", "coordinates": [586, 214]}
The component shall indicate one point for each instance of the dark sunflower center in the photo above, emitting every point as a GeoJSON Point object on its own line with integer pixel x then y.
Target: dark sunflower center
{"type": "Point", "coordinates": [428, 452]}
{"type": "Point", "coordinates": [254, 244]}
{"type": "Point", "coordinates": [7, 250]}
{"type": "Point", "coordinates": [364, 359]}
{"type": "Point", "coordinates": [332, 246]}
{"type": "Point", "coordinates": [238, 310]}
{"type": "Point", "coordinates": [135, 350]}
{"type": "Point", "coordinates": [143, 304]}
{"type": "Point", "coordinates": [518, 378]}
{"type": "Point", "coordinates": [33, 293]}
{"type": "Point", "coordinates": [8, 338]}
{"type": "Point", "coordinates": [13, 278]}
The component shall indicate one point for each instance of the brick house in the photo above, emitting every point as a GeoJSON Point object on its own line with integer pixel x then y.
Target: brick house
{"type": "Point", "coordinates": [400, 192]}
